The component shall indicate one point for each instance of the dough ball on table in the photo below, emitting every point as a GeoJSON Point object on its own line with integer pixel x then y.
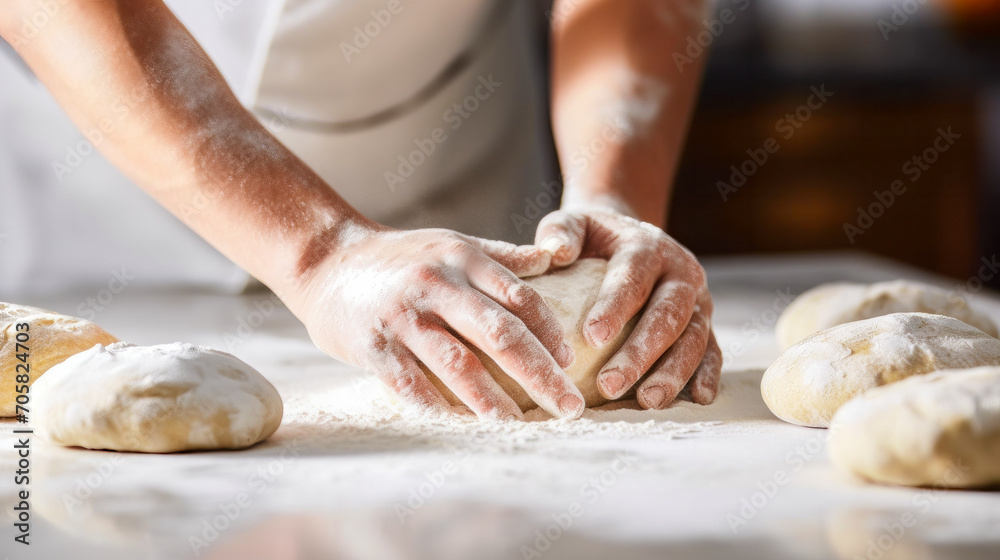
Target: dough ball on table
{"type": "Point", "coordinates": [155, 399]}
{"type": "Point", "coordinates": [51, 338]}
{"type": "Point", "coordinates": [938, 430]}
{"type": "Point", "coordinates": [570, 292]}
{"type": "Point", "coordinates": [830, 305]}
{"type": "Point", "coordinates": [812, 379]}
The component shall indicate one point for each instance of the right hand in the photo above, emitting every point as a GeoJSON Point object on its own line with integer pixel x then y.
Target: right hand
{"type": "Point", "coordinates": [390, 298]}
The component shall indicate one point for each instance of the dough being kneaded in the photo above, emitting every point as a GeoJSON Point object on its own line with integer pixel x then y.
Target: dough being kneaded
{"type": "Point", "coordinates": [155, 399]}
{"type": "Point", "coordinates": [570, 292]}
{"type": "Point", "coordinates": [938, 430]}
{"type": "Point", "coordinates": [812, 379]}
{"type": "Point", "coordinates": [834, 304]}
{"type": "Point", "coordinates": [49, 337]}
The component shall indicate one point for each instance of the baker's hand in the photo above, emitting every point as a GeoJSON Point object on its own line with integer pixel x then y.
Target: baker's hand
{"type": "Point", "coordinates": [673, 340]}
{"type": "Point", "coordinates": [391, 298]}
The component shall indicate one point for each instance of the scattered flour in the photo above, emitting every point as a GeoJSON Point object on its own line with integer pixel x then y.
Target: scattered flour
{"type": "Point", "coordinates": [344, 418]}
{"type": "Point", "coordinates": [634, 113]}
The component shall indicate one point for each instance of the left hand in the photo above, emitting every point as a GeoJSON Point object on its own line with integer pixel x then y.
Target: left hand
{"type": "Point", "coordinates": [673, 341]}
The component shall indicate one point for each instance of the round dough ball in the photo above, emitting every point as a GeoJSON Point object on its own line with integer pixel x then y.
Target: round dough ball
{"type": "Point", "coordinates": [51, 339]}
{"type": "Point", "coordinates": [830, 305]}
{"type": "Point", "coordinates": [939, 430]}
{"type": "Point", "coordinates": [570, 292]}
{"type": "Point", "coordinates": [812, 379]}
{"type": "Point", "coordinates": [155, 399]}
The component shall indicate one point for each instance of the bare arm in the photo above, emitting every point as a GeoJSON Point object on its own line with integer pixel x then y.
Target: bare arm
{"type": "Point", "coordinates": [621, 103]}
{"type": "Point", "coordinates": [377, 298]}
{"type": "Point", "coordinates": [181, 134]}
{"type": "Point", "coordinates": [620, 109]}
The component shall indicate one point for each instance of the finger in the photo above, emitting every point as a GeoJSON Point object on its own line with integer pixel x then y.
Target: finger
{"type": "Point", "coordinates": [672, 372]}
{"type": "Point", "coordinates": [624, 291]}
{"type": "Point", "coordinates": [562, 234]}
{"type": "Point", "coordinates": [704, 384]}
{"type": "Point", "coordinates": [667, 314]}
{"type": "Point", "coordinates": [507, 340]}
{"type": "Point", "coordinates": [399, 371]}
{"type": "Point", "coordinates": [500, 285]}
{"type": "Point", "coordinates": [462, 372]}
{"type": "Point", "coordinates": [522, 260]}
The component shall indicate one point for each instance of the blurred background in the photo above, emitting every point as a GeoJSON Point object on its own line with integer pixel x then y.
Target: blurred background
{"type": "Point", "coordinates": [899, 70]}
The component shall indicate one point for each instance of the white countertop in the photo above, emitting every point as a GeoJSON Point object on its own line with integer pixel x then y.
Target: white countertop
{"type": "Point", "coordinates": [696, 482]}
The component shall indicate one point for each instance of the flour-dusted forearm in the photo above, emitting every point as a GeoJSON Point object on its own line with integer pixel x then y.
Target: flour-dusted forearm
{"type": "Point", "coordinates": [182, 136]}
{"type": "Point", "coordinates": [620, 102]}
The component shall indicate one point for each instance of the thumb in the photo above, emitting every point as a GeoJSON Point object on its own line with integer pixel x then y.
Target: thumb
{"type": "Point", "coordinates": [561, 234]}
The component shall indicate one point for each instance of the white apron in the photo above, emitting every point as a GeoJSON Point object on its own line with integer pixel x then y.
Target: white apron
{"type": "Point", "coordinates": [425, 113]}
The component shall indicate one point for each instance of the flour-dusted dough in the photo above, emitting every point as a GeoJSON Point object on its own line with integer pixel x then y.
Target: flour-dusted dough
{"type": "Point", "coordinates": [155, 399]}
{"type": "Point", "coordinates": [939, 430]}
{"type": "Point", "coordinates": [830, 305]}
{"type": "Point", "coordinates": [812, 379]}
{"type": "Point", "coordinates": [570, 292]}
{"type": "Point", "coordinates": [51, 338]}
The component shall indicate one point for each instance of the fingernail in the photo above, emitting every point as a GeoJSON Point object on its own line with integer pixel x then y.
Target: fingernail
{"type": "Point", "coordinates": [553, 244]}
{"type": "Point", "coordinates": [571, 405]}
{"type": "Point", "coordinates": [613, 382]}
{"type": "Point", "coordinates": [566, 356]}
{"type": "Point", "coordinates": [654, 397]}
{"type": "Point", "coordinates": [511, 418]}
{"type": "Point", "coordinates": [599, 332]}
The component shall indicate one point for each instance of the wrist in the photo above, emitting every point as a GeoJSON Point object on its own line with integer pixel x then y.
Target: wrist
{"type": "Point", "coordinates": [626, 178]}
{"type": "Point", "coordinates": [328, 243]}
{"type": "Point", "coordinates": [581, 200]}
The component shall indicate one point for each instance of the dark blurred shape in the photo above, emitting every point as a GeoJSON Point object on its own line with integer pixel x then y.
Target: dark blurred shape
{"type": "Point", "coordinates": [903, 74]}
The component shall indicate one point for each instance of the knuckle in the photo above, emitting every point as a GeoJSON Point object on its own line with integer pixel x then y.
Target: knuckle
{"type": "Point", "coordinates": [456, 247]}
{"type": "Point", "coordinates": [698, 276]}
{"type": "Point", "coordinates": [456, 359]}
{"type": "Point", "coordinates": [670, 312]}
{"type": "Point", "coordinates": [425, 274]}
{"type": "Point", "coordinates": [404, 381]}
{"type": "Point", "coordinates": [502, 330]}
{"type": "Point", "coordinates": [520, 294]}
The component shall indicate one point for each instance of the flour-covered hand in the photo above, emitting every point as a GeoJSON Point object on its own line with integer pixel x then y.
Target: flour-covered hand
{"type": "Point", "coordinates": [672, 345]}
{"type": "Point", "coordinates": [388, 300]}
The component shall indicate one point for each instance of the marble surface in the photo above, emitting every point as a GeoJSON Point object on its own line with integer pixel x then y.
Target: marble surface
{"type": "Point", "coordinates": [738, 484]}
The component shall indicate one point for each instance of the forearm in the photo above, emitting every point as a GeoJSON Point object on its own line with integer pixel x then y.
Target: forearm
{"type": "Point", "coordinates": [620, 103]}
{"type": "Point", "coordinates": [167, 118]}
